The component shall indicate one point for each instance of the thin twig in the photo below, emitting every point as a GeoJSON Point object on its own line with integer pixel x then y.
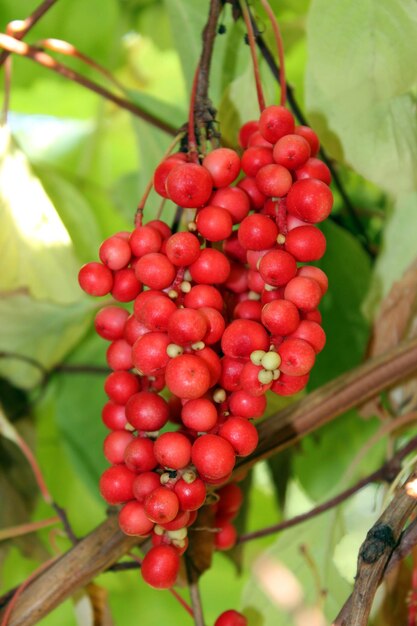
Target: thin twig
{"type": "Point", "coordinates": [27, 24]}
{"type": "Point", "coordinates": [192, 579]}
{"type": "Point", "coordinates": [30, 527]}
{"type": "Point", "coordinates": [386, 472]}
{"type": "Point", "coordinates": [12, 44]}
{"type": "Point", "coordinates": [270, 61]}
{"type": "Point", "coordinates": [252, 45]}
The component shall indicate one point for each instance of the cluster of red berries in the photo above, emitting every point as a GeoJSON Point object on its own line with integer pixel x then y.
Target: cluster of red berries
{"type": "Point", "coordinates": [222, 313]}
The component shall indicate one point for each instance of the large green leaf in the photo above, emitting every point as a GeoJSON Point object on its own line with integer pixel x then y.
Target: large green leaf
{"type": "Point", "coordinates": [361, 99]}
{"type": "Point", "coordinates": [348, 269]}
{"type": "Point", "coordinates": [79, 400]}
{"type": "Point", "coordinates": [44, 331]}
{"type": "Point", "coordinates": [37, 251]}
{"type": "Point", "coordinates": [398, 249]}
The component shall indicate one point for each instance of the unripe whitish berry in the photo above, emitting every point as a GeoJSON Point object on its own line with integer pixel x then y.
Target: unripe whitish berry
{"type": "Point", "coordinates": [271, 360]}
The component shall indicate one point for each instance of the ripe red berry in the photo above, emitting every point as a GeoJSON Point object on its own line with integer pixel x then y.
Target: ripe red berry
{"type": "Point", "coordinates": [119, 355]}
{"type": "Point", "coordinates": [189, 185]}
{"type": "Point", "coordinates": [114, 416]}
{"type": "Point", "coordinates": [187, 376]}
{"type": "Point", "coordinates": [246, 130]}
{"type": "Point", "coordinates": [254, 158]}
{"type": "Point", "coordinates": [280, 317]}
{"type": "Point", "coordinates": [234, 200]}
{"type": "Point", "coordinates": [116, 484]}
{"type": "Point", "coordinates": [309, 271]}
{"type": "Point", "coordinates": [125, 285]}
{"type": "Point", "coordinates": [191, 495]}
{"type": "Point", "coordinates": [213, 456]}
{"type": "Point", "coordinates": [289, 385]}
{"type": "Point", "coordinates": [226, 537]}
{"type": "Point", "coordinates": [304, 292]}
{"type": "Point", "coordinates": [257, 232]}
{"type": "Point", "coordinates": [231, 499]}
{"type": "Point", "coordinates": [139, 455]}
{"type": "Point", "coordinates": [214, 223]}
{"type": "Point", "coordinates": [144, 484]}
{"type": "Point", "coordinates": [305, 243]}
{"type": "Point", "coordinates": [182, 249]}
{"type": "Point", "coordinates": [243, 404]}
{"type": "Point", "coordinates": [230, 373]}
{"type": "Point", "coordinates": [202, 296]}
{"type": "Point", "coordinates": [160, 567]}
{"type": "Point", "coordinates": [291, 151]}
{"type": "Point", "coordinates": [297, 357]}
{"type": "Point", "coordinates": [119, 386]}
{"type": "Point", "coordinates": [274, 180]}
{"type": "Point", "coordinates": [186, 326]}
{"type": "Point", "coordinates": [199, 415]}
{"type": "Point", "coordinates": [115, 445]}
{"type": "Point", "coordinates": [275, 122]}
{"type": "Point", "coordinates": [215, 324]}
{"type": "Point", "coordinates": [133, 519]}
{"type": "Point", "coordinates": [277, 268]}
{"type": "Point", "coordinates": [162, 172]}
{"type": "Point", "coordinates": [231, 618]}
{"type": "Point", "coordinates": [310, 200]}
{"type": "Point", "coordinates": [149, 353]}
{"type": "Point", "coordinates": [110, 322]}
{"type": "Point", "coordinates": [212, 266]}
{"type": "Point", "coordinates": [173, 450]}
{"type": "Point", "coordinates": [223, 165]}
{"type": "Point", "coordinates": [95, 279]}
{"type": "Point", "coordinates": [147, 411]}
{"type": "Point", "coordinates": [311, 332]}
{"type": "Point", "coordinates": [241, 433]}
{"type": "Point", "coordinates": [115, 252]}
{"type": "Point", "coordinates": [242, 337]}
{"type": "Point", "coordinates": [144, 240]}
{"type": "Point", "coordinates": [314, 168]}
{"type": "Point", "coordinates": [248, 310]}
{"type": "Point", "coordinates": [310, 136]}
{"type": "Point", "coordinates": [155, 271]}
{"type": "Point", "coordinates": [161, 505]}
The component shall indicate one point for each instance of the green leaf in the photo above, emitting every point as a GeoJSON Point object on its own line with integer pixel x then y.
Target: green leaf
{"type": "Point", "coordinates": [361, 100]}
{"type": "Point", "coordinates": [166, 112]}
{"type": "Point", "coordinates": [348, 269]}
{"type": "Point", "coordinates": [79, 401]}
{"type": "Point", "coordinates": [38, 255]}
{"type": "Point", "coordinates": [41, 330]}
{"type": "Point", "coordinates": [398, 250]}
{"type": "Point", "coordinates": [324, 457]}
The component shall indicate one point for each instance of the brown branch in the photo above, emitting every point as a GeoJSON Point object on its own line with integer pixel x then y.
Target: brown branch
{"type": "Point", "coordinates": [106, 544]}
{"type": "Point", "coordinates": [27, 24]}
{"type": "Point", "coordinates": [374, 555]}
{"type": "Point", "coordinates": [12, 44]}
{"type": "Point", "coordinates": [192, 578]}
{"type": "Point", "coordinates": [386, 472]}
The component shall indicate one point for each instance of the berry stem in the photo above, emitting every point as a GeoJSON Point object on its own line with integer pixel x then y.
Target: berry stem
{"type": "Point", "coordinates": [30, 527]}
{"type": "Point", "coordinates": [194, 593]}
{"type": "Point", "coordinates": [280, 46]}
{"type": "Point", "coordinates": [252, 45]}
{"type": "Point", "coordinates": [192, 141]}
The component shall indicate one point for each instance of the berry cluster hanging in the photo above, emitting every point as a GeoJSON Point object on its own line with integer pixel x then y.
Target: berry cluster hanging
{"type": "Point", "coordinates": [223, 312]}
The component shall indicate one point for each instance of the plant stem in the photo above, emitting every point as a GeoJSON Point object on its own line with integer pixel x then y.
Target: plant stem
{"type": "Point", "coordinates": [194, 593]}
{"type": "Point", "coordinates": [30, 527]}
{"type": "Point", "coordinates": [252, 44]}
{"type": "Point", "coordinates": [12, 44]}
{"type": "Point", "coordinates": [280, 47]}
{"type": "Point", "coordinates": [385, 472]}
{"type": "Point", "coordinates": [26, 25]}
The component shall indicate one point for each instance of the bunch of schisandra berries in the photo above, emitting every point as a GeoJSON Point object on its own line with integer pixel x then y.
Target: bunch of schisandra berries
{"type": "Point", "coordinates": [222, 313]}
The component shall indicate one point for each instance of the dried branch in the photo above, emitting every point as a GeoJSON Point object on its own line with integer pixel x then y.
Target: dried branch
{"type": "Point", "coordinates": [106, 544]}
{"type": "Point", "coordinates": [374, 555]}
{"type": "Point", "coordinates": [11, 44]}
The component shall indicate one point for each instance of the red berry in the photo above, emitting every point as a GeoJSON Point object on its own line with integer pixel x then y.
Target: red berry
{"type": "Point", "coordinates": [275, 122]}
{"type": "Point", "coordinates": [191, 495]}
{"type": "Point", "coordinates": [116, 484]}
{"type": "Point", "coordinates": [289, 385]}
{"type": "Point", "coordinates": [119, 355]}
{"type": "Point", "coordinates": [155, 271]}
{"type": "Point", "coordinates": [280, 317]}
{"type": "Point", "coordinates": [234, 200]}
{"type": "Point", "coordinates": [144, 240]}
{"type": "Point", "coordinates": [242, 337]}
{"type": "Point", "coordinates": [202, 296]}
{"type": "Point", "coordinates": [147, 411]}
{"type": "Point", "coordinates": [215, 324]}
{"type": "Point", "coordinates": [310, 136]}
{"type": "Point", "coordinates": [291, 151]}
{"type": "Point", "coordinates": [274, 180]}
{"type": "Point", "coordinates": [214, 223]}
{"type": "Point", "coordinates": [189, 185]}
{"type": "Point", "coordinates": [149, 353]}
{"type": "Point", "coordinates": [110, 322]}
{"type": "Point", "coordinates": [161, 174]}
{"type": "Point", "coordinates": [255, 158]}
{"type": "Point", "coordinates": [133, 519]}
{"type": "Point", "coordinates": [160, 567]}
{"type": "Point", "coordinates": [297, 357]}
{"type": "Point", "coordinates": [277, 267]}
{"type": "Point", "coordinates": [314, 168]}
{"type": "Point", "coordinates": [95, 279]}
{"type": "Point", "coordinates": [182, 249]}
{"type": "Point", "coordinates": [144, 484]}
{"type": "Point", "coordinates": [114, 416]}
{"type": "Point", "coordinates": [306, 243]}
{"type": "Point", "coordinates": [119, 386]}
{"type": "Point", "coordinates": [139, 455]}
{"type": "Point", "coordinates": [223, 165]}
{"type": "Point", "coordinates": [213, 456]}
{"type": "Point", "coordinates": [199, 415]}
{"type": "Point", "coordinates": [246, 131]}
{"type": "Point", "coordinates": [230, 374]}
{"type": "Point", "coordinates": [173, 450]}
{"type": "Point", "coordinates": [312, 333]}
{"type": "Point", "coordinates": [212, 266]}
{"type": "Point", "coordinates": [187, 376]}
{"type": "Point", "coordinates": [304, 292]}
{"type": "Point", "coordinates": [125, 285]}
{"type": "Point", "coordinates": [310, 200]}
{"type": "Point", "coordinates": [257, 199]}
{"type": "Point", "coordinates": [248, 310]}
{"type": "Point", "coordinates": [161, 505]}
{"type": "Point", "coordinates": [186, 326]}
{"type": "Point", "coordinates": [226, 537]}
{"type": "Point", "coordinates": [115, 445]}
{"type": "Point", "coordinates": [241, 433]}
{"type": "Point", "coordinates": [231, 499]}
{"type": "Point", "coordinates": [243, 404]}
{"type": "Point", "coordinates": [257, 232]}
{"type": "Point", "coordinates": [231, 618]}
{"type": "Point", "coordinates": [115, 252]}
{"type": "Point", "coordinates": [309, 271]}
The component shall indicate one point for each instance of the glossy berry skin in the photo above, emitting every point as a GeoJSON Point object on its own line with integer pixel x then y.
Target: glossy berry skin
{"type": "Point", "coordinates": [115, 445]}
{"type": "Point", "coordinates": [257, 199]}
{"type": "Point", "coordinates": [249, 380]}
{"type": "Point", "coordinates": [289, 385]}
{"type": "Point", "coordinates": [189, 185]}
{"type": "Point", "coordinates": [242, 337]}
{"type": "Point", "coordinates": [234, 200]}
{"type": "Point", "coordinates": [231, 499]}
{"type": "Point", "coordinates": [212, 266]}
{"type": "Point", "coordinates": [274, 180]}
{"type": "Point", "coordinates": [125, 285]}
{"type": "Point", "coordinates": [119, 386]}
{"type": "Point", "coordinates": [291, 151]}
{"type": "Point", "coordinates": [116, 484]}
{"type": "Point", "coordinates": [186, 326]}
{"type": "Point", "coordinates": [245, 131]}
{"type": "Point", "coordinates": [139, 455]}
{"type": "Point", "coordinates": [226, 537]}
{"type": "Point", "coordinates": [312, 333]}
{"type": "Point", "coordinates": [162, 172]}
{"type": "Point", "coordinates": [241, 434]}
{"type": "Point", "coordinates": [231, 618]}
{"type": "Point", "coordinates": [114, 416]}
{"type": "Point", "coordinates": [110, 322]}
{"type": "Point", "coordinates": [223, 165]}
{"type": "Point", "coordinates": [306, 243]}
{"type": "Point", "coordinates": [243, 404]}
{"type": "Point", "coordinates": [147, 411]}
{"type": "Point", "coordinates": [297, 357]}
{"type": "Point", "coordinates": [215, 324]}
{"type": "Point", "coordinates": [119, 355]}
{"type": "Point", "coordinates": [155, 271]}
{"type": "Point", "coordinates": [213, 456]}
{"type": "Point", "coordinates": [149, 353]}
{"type": "Point", "coordinates": [199, 415]}
{"type": "Point", "coordinates": [314, 168]}
{"type": "Point", "coordinates": [277, 268]}
{"type": "Point", "coordinates": [115, 252]}
{"type": "Point", "coordinates": [307, 133]}
{"type": "Point", "coordinates": [144, 484]}
{"type": "Point", "coordinates": [202, 296]}
{"type": "Point", "coordinates": [275, 122]}
{"type": "Point", "coordinates": [280, 317]}
{"type": "Point", "coordinates": [173, 450]}
{"type": "Point", "coordinates": [230, 373]}
{"type": "Point", "coordinates": [309, 271]}
{"type": "Point", "coordinates": [190, 495]}
{"type": "Point", "coordinates": [248, 310]}
{"type": "Point", "coordinates": [161, 505]}
{"type": "Point", "coordinates": [304, 292]}
{"type": "Point", "coordinates": [182, 249]}
{"type": "Point", "coordinates": [255, 158]}
{"type": "Point", "coordinates": [214, 223]}
{"type": "Point", "coordinates": [156, 312]}
{"type": "Point", "coordinates": [187, 376]}
{"type": "Point", "coordinates": [160, 567]}
{"type": "Point", "coordinates": [133, 519]}
{"type": "Point", "coordinates": [257, 232]}
{"type": "Point", "coordinates": [310, 200]}
{"type": "Point", "coordinates": [95, 279]}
